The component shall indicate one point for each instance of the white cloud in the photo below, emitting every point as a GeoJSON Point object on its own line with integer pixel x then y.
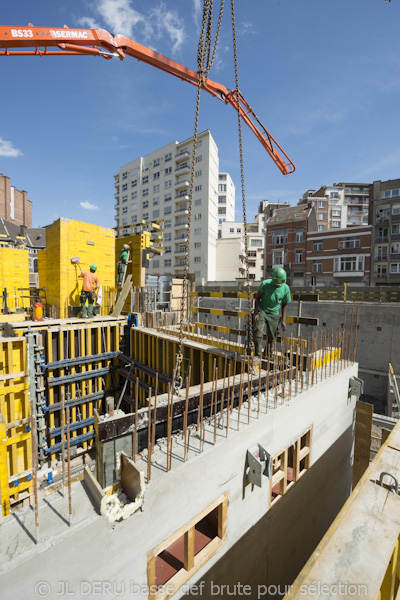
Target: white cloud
{"type": "Point", "coordinates": [121, 18]}
{"type": "Point", "coordinates": [197, 11]}
{"type": "Point", "coordinates": [7, 149]}
{"type": "Point", "coordinates": [89, 206]}
{"type": "Point", "coordinates": [88, 22]}
{"type": "Point", "coordinates": [246, 28]}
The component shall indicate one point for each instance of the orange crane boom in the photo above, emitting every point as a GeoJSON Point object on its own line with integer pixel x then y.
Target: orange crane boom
{"type": "Point", "coordinates": [45, 41]}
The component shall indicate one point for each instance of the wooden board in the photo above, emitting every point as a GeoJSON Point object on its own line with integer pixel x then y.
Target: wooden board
{"type": "Point", "coordinates": [362, 441]}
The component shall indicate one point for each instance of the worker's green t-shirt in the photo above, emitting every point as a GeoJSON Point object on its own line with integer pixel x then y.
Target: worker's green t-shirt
{"type": "Point", "coordinates": [272, 297]}
{"type": "Point", "coordinates": [124, 255]}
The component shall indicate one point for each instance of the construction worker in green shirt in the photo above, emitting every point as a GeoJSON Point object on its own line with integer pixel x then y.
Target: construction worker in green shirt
{"type": "Point", "coordinates": [122, 264]}
{"type": "Point", "coordinates": [272, 296]}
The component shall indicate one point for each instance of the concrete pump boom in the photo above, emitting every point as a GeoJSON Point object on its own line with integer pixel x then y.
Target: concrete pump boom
{"type": "Point", "coordinates": [19, 41]}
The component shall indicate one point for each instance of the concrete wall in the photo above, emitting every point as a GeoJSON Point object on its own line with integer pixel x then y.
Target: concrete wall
{"type": "Point", "coordinates": [263, 546]}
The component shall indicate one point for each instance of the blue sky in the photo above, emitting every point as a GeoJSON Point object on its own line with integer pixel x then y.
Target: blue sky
{"type": "Point", "coordinates": [322, 75]}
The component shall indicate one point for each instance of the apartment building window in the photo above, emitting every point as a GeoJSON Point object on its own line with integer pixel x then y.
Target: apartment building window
{"type": "Point", "coordinates": [156, 175]}
{"type": "Point", "coordinates": [317, 266]}
{"type": "Point", "coordinates": [167, 210]}
{"type": "Point", "coordinates": [133, 195]}
{"type": "Point", "coordinates": [156, 263]}
{"type": "Point", "coordinates": [124, 198]}
{"type": "Point", "coordinates": [199, 158]}
{"type": "Point", "coordinates": [348, 263]}
{"type": "Point", "coordinates": [277, 258]}
{"type": "Point", "coordinates": [197, 202]}
{"type": "Point", "coordinates": [381, 253]}
{"type": "Point", "coordinates": [198, 173]}
{"type": "Point", "coordinates": [156, 162]}
{"type": "Point", "coordinates": [124, 187]}
{"type": "Point", "coordinates": [167, 250]}
{"type": "Point", "coordinates": [197, 188]}
{"type": "Point", "coordinates": [134, 206]}
{"type": "Point", "coordinates": [334, 195]}
{"type": "Point", "coordinates": [197, 259]}
{"type": "Point", "coordinates": [156, 213]}
{"type": "Point", "coordinates": [145, 192]}
{"type": "Point", "coordinates": [197, 231]}
{"type": "Point", "coordinates": [278, 239]}
{"type": "Point", "coordinates": [145, 216]}
{"type": "Point", "coordinates": [167, 237]}
{"type": "Point", "coordinates": [168, 170]}
{"type": "Point", "coordinates": [252, 264]}
{"type": "Point", "coordinates": [336, 213]}
{"type": "Point", "coordinates": [134, 219]}
{"type": "Point", "coordinates": [321, 216]}
{"type": "Point", "coordinates": [388, 193]}
{"type": "Point", "coordinates": [395, 268]}
{"type": "Point", "coordinates": [239, 230]}
{"type": "Point", "coordinates": [197, 217]}
{"type": "Point", "coordinates": [395, 229]}
{"type": "Point", "coordinates": [299, 256]}
{"type": "Point", "coordinates": [221, 200]}
{"type": "Point", "coordinates": [167, 197]}
{"type": "Point", "coordinates": [199, 143]}
{"type": "Point", "coordinates": [156, 201]}
{"type": "Point", "coordinates": [335, 223]}
{"type": "Point", "coordinates": [145, 204]}
{"type": "Point", "coordinates": [221, 211]}
{"type": "Point", "coordinates": [258, 243]}
{"type": "Point", "coordinates": [197, 244]}
{"type": "Point", "coordinates": [289, 465]}
{"type": "Point", "coordinates": [124, 210]}
{"type": "Point", "coordinates": [168, 156]}
{"type": "Point", "coordinates": [321, 204]}
{"type": "Point", "coordinates": [156, 188]}
{"type": "Point", "coordinates": [179, 557]}
{"type": "Point", "coordinates": [320, 228]}
{"type": "Point", "coordinates": [299, 235]}
{"type": "Point", "coordinates": [351, 242]}
{"type": "Point", "coordinates": [252, 254]}
{"type": "Point", "coordinates": [231, 230]}
{"type": "Point", "coordinates": [145, 179]}
{"type": "Point", "coordinates": [167, 223]}
{"type": "Point", "coordinates": [124, 175]}
{"type": "Point", "coordinates": [168, 184]}
{"type": "Point", "coordinates": [134, 183]}
{"type": "Point", "coordinates": [318, 246]}
{"type": "Point", "coordinates": [396, 209]}
{"type": "Point", "coordinates": [167, 262]}
{"type": "Point", "coordinates": [124, 221]}
{"type": "Point", "coordinates": [222, 187]}
{"type": "Point", "coordinates": [394, 249]}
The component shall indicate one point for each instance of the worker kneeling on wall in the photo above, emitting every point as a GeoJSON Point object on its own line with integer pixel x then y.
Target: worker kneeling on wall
{"type": "Point", "coordinates": [89, 287]}
{"type": "Point", "coordinates": [271, 296]}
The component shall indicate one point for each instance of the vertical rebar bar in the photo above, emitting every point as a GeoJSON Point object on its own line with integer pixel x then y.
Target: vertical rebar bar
{"type": "Point", "coordinates": [149, 439]}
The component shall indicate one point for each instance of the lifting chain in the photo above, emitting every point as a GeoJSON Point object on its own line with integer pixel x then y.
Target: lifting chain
{"type": "Point", "coordinates": [205, 59]}
{"type": "Point", "coordinates": [249, 315]}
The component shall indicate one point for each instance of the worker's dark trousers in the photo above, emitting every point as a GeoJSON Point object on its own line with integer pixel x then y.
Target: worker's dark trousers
{"type": "Point", "coordinates": [90, 297]}
{"type": "Point", "coordinates": [271, 322]}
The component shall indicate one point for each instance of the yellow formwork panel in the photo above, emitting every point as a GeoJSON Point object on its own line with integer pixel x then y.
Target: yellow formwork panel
{"type": "Point", "coordinates": [15, 442]}
{"type": "Point", "coordinates": [66, 239]}
{"type": "Point", "coordinates": [42, 270]}
{"type": "Point", "coordinates": [14, 274]}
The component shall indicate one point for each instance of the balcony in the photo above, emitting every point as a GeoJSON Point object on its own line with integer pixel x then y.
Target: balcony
{"type": "Point", "coordinates": [181, 156]}
{"type": "Point", "coordinates": [182, 197]}
{"type": "Point", "coordinates": [182, 169]}
{"type": "Point", "coordinates": [184, 183]}
{"type": "Point", "coordinates": [182, 210]}
{"type": "Point", "coordinates": [180, 238]}
{"type": "Point", "coordinates": [116, 195]}
{"type": "Point", "coordinates": [348, 273]}
{"type": "Point", "coordinates": [381, 240]}
{"type": "Point", "coordinates": [179, 266]}
{"type": "Point", "coordinates": [381, 258]}
{"type": "Point", "coordinates": [382, 219]}
{"type": "Point", "coordinates": [180, 252]}
{"type": "Point", "coordinates": [380, 275]}
{"type": "Point", "coordinates": [181, 225]}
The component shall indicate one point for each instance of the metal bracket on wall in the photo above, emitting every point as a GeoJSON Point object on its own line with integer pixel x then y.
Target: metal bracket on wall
{"type": "Point", "coordinates": [356, 387]}
{"type": "Point", "coordinates": [259, 463]}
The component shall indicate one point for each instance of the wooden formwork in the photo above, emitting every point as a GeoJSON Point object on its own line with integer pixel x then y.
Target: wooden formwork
{"type": "Point", "coordinates": [15, 436]}
{"type": "Point", "coordinates": [158, 352]}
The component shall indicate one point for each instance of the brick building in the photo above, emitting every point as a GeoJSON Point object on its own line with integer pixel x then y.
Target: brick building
{"type": "Point", "coordinates": [286, 241]}
{"type": "Point", "coordinates": [339, 256]}
{"type": "Point", "coordinates": [14, 205]}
